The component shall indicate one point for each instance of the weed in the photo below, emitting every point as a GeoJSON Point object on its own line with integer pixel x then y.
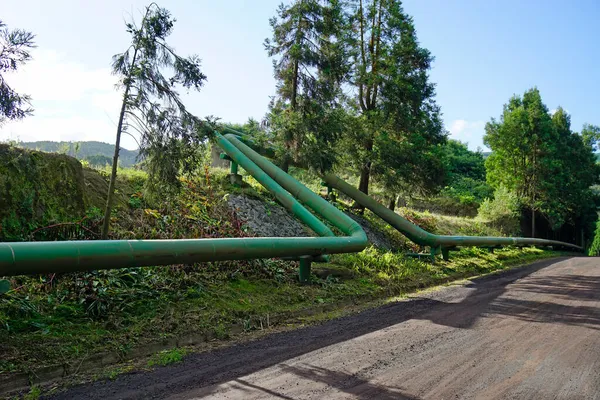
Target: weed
{"type": "Point", "coordinates": [34, 393]}
{"type": "Point", "coordinates": [167, 357]}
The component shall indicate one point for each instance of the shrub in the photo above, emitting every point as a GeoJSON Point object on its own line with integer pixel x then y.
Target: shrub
{"type": "Point", "coordinates": [594, 249]}
{"type": "Point", "coordinates": [502, 212]}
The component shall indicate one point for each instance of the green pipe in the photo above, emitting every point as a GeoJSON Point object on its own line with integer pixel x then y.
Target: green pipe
{"type": "Point", "coordinates": [410, 230]}
{"type": "Point", "coordinates": [24, 258]}
{"type": "Point", "coordinates": [69, 256]}
{"type": "Point", "coordinates": [268, 152]}
{"type": "Point", "coordinates": [234, 167]}
{"type": "Point", "coordinates": [424, 238]}
{"type": "Point", "coordinates": [281, 195]}
{"type": "Point", "coordinates": [299, 191]}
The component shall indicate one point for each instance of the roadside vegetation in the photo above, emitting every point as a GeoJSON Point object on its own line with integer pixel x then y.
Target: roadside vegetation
{"type": "Point", "coordinates": [62, 319]}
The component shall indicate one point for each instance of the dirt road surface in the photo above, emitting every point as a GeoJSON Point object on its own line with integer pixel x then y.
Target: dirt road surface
{"type": "Point", "coordinates": [530, 333]}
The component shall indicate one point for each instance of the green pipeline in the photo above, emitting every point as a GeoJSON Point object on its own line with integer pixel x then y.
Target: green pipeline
{"type": "Point", "coordinates": [68, 256]}
{"type": "Point", "coordinates": [424, 238]}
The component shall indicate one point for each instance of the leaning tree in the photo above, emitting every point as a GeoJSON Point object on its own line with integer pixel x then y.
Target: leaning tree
{"type": "Point", "coordinates": [151, 106]}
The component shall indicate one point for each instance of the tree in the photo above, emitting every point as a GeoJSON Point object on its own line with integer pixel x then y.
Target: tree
{"type": "Point", "coordinates": [98, 160]}
{"type": "Point", "coordinates": [15, 46]}
{"type": "Point", "coordinates": [462, 162]}
{"type": "Point", "coordinates": [572, 173]}
{"type": "Point", "coordinates": [398, 129]}
{"type": "Point", "coordinates": [465, 175]}
{"type": "Point", "coordinates": [538, 157]}
{"type": "Point", "coordinates": [591, 136]}
{"type": "Point", "coordinates": [151, 105]}
{"type": "Point", "coordinates": [306, 115]}
{"type": "Point", "coordinates": [521, 143]}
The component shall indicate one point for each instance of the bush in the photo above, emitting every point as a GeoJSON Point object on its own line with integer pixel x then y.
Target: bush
{"type": "Point", "coordinates": [502, 212]}
{"type": "Point", "coordinates": [594, 249]}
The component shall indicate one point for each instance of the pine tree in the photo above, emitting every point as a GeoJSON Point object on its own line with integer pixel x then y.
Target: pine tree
{"type": "Point", "coordinates": [306, 115]}
{"type": "Point", "coordinates": [398, 129]}
{"type": "Point", "coordinates": [151, 105]}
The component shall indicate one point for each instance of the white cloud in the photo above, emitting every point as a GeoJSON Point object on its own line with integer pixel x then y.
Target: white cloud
{"type": "Point", "coordinates": [70, 101]}
{"type": "Point", "coordinates": [51, 77]}
{"type": "Point", "coordinates": [470, 132]}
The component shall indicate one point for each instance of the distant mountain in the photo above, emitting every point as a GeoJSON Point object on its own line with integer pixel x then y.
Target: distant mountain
{"type": "Point", "coordinates": [91, 151]}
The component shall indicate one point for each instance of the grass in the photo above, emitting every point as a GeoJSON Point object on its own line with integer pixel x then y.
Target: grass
{"type": "Point", "coordinates": [34, 393]}
{"type": "Point", "coordinates": [167, 357]}
{"type": "Point", "coordinates": [452, 225]}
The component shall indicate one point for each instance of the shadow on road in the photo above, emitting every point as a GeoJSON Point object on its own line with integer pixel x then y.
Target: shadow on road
{"type": "Point", "coordinates": [206, 370]}
{"type": "Point", "coordinates": [524, 302]}
{"type": "Point", "coordinates": [351, 384]}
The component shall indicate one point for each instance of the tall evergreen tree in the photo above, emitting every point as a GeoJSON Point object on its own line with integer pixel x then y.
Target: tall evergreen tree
{"type": "Point", "coordinates": [398, 131]}
{"type": "Point", "coordinates": [306, 116]}
{"type": "Point", "coordinates": [151, 105]}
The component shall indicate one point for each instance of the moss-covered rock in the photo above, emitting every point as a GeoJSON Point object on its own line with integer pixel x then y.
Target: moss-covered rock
{"type": "Point", "coordinates": [37, 189]}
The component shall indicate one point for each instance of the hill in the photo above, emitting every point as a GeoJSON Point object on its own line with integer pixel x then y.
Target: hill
{"type": "Point", "coordinates": [85, 151]}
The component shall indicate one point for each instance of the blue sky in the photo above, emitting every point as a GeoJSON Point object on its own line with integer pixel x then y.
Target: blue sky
{"type": "Point", "coordinates": [485, 52]}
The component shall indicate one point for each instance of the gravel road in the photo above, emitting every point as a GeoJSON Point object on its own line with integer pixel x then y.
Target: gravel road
{"type": "Point", "coordinates": [529, 333]}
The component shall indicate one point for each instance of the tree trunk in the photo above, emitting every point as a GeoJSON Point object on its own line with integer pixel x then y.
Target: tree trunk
{"type": "Point", "coordinates": [365, 172]}
{"type": "Point", "coordinates": [113, 176]}
{"type": "Point", "coordinates": [532, 222]}
{"type": "Point", "coordinates": [365, 175]}
{"type": "Point", "coordinates": [285, 164]}
{"type": "Point", "coordinates": [392, 203]}
{"type": "Point", "coordinates": [363, 185]}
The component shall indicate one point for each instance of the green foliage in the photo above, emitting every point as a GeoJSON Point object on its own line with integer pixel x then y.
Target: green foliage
{"type": "Point", "coordinates": [502, 212]}
{"type": "Point", "coordinates": [98, 160]}
{"type": "Point", "coordinates": [590, 134]}
{"type": "Point", "coordinates": [15, 46]}
{"type": "Point", "coordinates": [306, 118]}
{"type": "Point", "coordinates": [424, 220]}
{"type": "Point", "coordinates": [468, 191]}
{"type": "Point", "coordinates": [463, 163]}
{"type": "Point", "coordinates": [466, 186]}
{"type": "Point", "coordinates": [398, 130]}
{"type": "Point", "coordinates": [33, 191]}
{"type": "Point", "coordinates": [594, 249]}
{"type": "Point", "coordinates": [538, 157]}
{"type": "Point", "coordinates": [518, 141]}
{"type": "Point", "coordinates": [251, 128]}
{"type": "Point", "coordinates": [34, 393]}
{"type": "Point", "coordinates": [167, 357]}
